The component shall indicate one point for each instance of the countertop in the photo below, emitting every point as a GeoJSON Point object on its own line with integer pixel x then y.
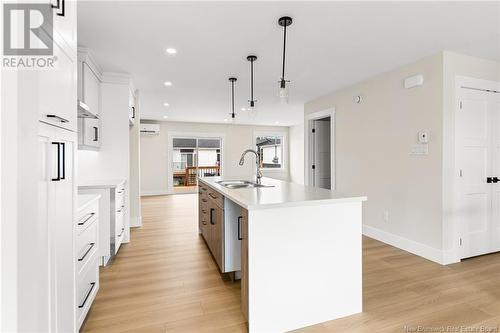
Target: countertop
{"type": "Point", "coordinates": [86, 199]}
{"type": "Point", "coordinates": [282, 194]}
{"type": "Point", "coordinates": [104, 183]}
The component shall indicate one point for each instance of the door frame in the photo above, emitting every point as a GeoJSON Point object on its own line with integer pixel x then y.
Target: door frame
{"type": "Point", "coordinates": [457, 229]}
{"type": "Point", "coordinates": [189, 135]}
{"type": "Point", "coordinates": [308, 149]}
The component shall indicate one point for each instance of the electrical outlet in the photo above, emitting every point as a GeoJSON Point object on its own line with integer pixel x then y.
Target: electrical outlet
{"type": "Point", "coordinates": [386, 216]}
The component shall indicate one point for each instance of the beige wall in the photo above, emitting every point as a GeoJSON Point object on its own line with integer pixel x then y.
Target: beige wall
{"type": "Point", "coordinates": [296, 140]}
{"type": "Point", "coordinates": [237, 138]}
{"type": "Point", "coordinates": [373, 142]}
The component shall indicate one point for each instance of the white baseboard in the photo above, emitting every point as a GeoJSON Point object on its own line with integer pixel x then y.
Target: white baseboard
{"type": "Point", "coordinates": [405, 244]}
{"type": "Point", "coordinates": [136, 221]}
{"type": "Point", "coordinates": [154, 192]}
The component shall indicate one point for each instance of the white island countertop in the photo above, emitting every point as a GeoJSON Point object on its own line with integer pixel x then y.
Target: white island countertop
{"type": "Point", "coordinates": [282, 194]}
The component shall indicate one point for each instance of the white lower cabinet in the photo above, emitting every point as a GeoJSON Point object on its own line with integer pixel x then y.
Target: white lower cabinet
{"type": "Point", "coordinates": [56, 201]}
{"type": "Point", "coordinates": [86, 255]}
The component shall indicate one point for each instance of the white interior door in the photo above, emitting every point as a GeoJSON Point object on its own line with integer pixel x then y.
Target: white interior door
{"type": "Point", "coordinates": [478, 159]}
{"type": "Point", "coordinates": [321, 153]}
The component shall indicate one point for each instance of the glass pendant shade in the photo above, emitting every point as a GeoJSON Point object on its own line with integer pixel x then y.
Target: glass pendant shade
{"type": "Point", "coordinates": [283, 92]}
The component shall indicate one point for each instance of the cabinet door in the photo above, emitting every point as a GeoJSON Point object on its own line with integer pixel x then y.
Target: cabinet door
{"type": "Point", "coordinates": [62, 233]}
{"type": "Point", "coordinates": [218, 237]}
{"type": "Point", "coordinates": [57, 91]}
{"type": "Point", "coordinates": [90, 88]}
{"type": "Point", "coordinates": [244, 262]}
{"type": "Point", "coordinates": [65, 25]}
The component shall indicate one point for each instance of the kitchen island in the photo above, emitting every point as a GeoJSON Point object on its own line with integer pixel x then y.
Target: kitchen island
{"type": "Point", "coordinates": [298, 249]}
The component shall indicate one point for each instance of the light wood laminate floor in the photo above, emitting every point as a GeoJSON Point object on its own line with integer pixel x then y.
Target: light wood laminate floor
{"type": "Point", "coordinates": [166, 281]}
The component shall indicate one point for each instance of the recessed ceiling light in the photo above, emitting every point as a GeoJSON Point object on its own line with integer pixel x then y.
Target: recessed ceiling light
{"type": "Point", "coordinates": [276, 122]}
{"type": "Point", "coordinates": [243, 109]}
{"type": "Point", "coordinates": [225, 119]}
{"type": "Point", "coordinates": [165, 117]}
{"type": "Point", "coordinates": [168, 83]}
{"type": "Point", "coordinates": [171, 50]}
{"type": "Point", "coordinates": [166, 104]}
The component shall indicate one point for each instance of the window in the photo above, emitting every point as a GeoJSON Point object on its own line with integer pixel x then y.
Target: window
{"type": "Point", "coordinates": [271, 149]}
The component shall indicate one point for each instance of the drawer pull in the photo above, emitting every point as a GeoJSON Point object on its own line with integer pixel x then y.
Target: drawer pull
{"type": "Point", "coordinates": [212, 195]}
{"type": "Point", "coordinates": [92, 285]}
{"type": "Point", "coordinates": [120, 192]}
{"type": "Point", "coordinates": [121, 209]}
{"type": "Point", "coordinates": [86, 252]}
{"type": "Point", "coordinates": [84, 220]}
{"type": "Point", "coordinates": [121, 233]}
{"type": "Point", "coordinates": [204, 200]}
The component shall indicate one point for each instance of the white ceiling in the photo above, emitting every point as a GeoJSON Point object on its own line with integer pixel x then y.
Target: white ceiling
{"type": "Point", "coordinates": [330, 45]}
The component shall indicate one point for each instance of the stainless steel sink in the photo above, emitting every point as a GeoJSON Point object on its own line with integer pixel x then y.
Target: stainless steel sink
{"type": "Point", "coordinates": [233, 184]}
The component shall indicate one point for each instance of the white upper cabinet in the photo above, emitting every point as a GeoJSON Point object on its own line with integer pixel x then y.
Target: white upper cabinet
{"type": "Point", "coordinates": [90, 87]}
{"type": "Point", "coordinates": [57, 91]}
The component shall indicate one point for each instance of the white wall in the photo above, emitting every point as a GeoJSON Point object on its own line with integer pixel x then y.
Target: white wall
{"type": "Point", "coordinates": [296, 135]}
{"type": "Point", "coordinates": [237, 138]}
{"type": "Point", "coordinates": [111, 161]}
{"type": "Point", "coordinates": [135, 167]}
{"type": "Point", "coordinates": [373, 143]}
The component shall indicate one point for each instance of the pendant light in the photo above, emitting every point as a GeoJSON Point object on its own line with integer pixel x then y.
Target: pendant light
{"type": "Point", "coordinates": [284, 21]}
{"type": "Point", "coordinates": [252, 101]}
{"type": "Point", "coordinates": [232, 80]}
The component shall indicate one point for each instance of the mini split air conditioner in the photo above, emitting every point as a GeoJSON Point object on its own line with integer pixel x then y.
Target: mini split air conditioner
{"type": "Point", "coordinates": [150, 129]}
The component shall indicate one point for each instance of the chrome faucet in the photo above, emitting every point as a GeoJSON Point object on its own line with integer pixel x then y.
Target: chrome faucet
{"type": "Point", "coordinates": [257, 162]}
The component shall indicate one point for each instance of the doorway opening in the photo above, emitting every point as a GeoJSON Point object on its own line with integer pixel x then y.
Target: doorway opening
{"type": "Point", "coordinates": [320, 150]}
{"type": "Point", "coordinates": [194, 157]}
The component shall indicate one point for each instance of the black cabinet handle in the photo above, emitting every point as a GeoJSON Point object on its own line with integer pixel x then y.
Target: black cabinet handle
{"type": "Point", "coordinates": [63, 158]}
{"type": "Point", "coordinates": [92, 285]}
{"type": "Point", "coordinates": [211, 216]}
{"type": "Point", "coordinates": [87, 219]}
{"type": "Point", "coordinates": [212, 196]}
{"type": "Point", "coordinates": [96, 133]}
{"type": "Point", "coordinates": [121, 233]}
{"type": "Point", "coordinates": [60, 6]}
{"type": "Point", "coordinates": [133, 112]}
{"type": "Point", "coordinates": [61, 119]}
{"type": "Point", "coordinates": [58, 178]}
{"type": "Point", "coordinates": [86, 252]}
{"type": "Point", "coordinates": [239, 227]}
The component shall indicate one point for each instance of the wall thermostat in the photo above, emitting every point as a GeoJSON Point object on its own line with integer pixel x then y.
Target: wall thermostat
{"type": "Point", "coordinates": [423, 137]}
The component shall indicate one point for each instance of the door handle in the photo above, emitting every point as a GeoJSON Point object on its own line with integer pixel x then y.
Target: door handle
{"type": "Point", "coordinates": [239, 227]}
{"type": "Point", "coordinates": [212, 216]}
{"type": "Point", "coordinates": [87, 296]}
{"type": "Point", "coordinates": [63, 169]}
{"type": "Point", "coordinates": [133, 112]}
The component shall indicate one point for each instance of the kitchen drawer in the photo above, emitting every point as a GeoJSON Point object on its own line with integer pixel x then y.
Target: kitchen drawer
{"type": "Point", "coordinates": [86, 217]}
{"type": "Point", "coordinates": [86, 247]}
{"type": "Point", "coordinates": [216, 197]}
{"type": "Point", "coordinates": [86, 290]}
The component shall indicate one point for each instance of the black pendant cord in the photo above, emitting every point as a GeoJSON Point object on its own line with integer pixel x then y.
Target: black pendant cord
{"type": "Point", "coordinates": [251, 58]}
{"type": "Point", "coordinates": [232, 99]}
{"type": "Point", "coordinates": [251, 81]}
{"type": "Point", "coordinates": [284, 48]}
{"type": "Point", "coordinates": [232, 80]}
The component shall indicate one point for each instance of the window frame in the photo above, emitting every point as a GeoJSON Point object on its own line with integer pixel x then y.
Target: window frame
{"type": "Point", "coordinates": [284, 148]}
